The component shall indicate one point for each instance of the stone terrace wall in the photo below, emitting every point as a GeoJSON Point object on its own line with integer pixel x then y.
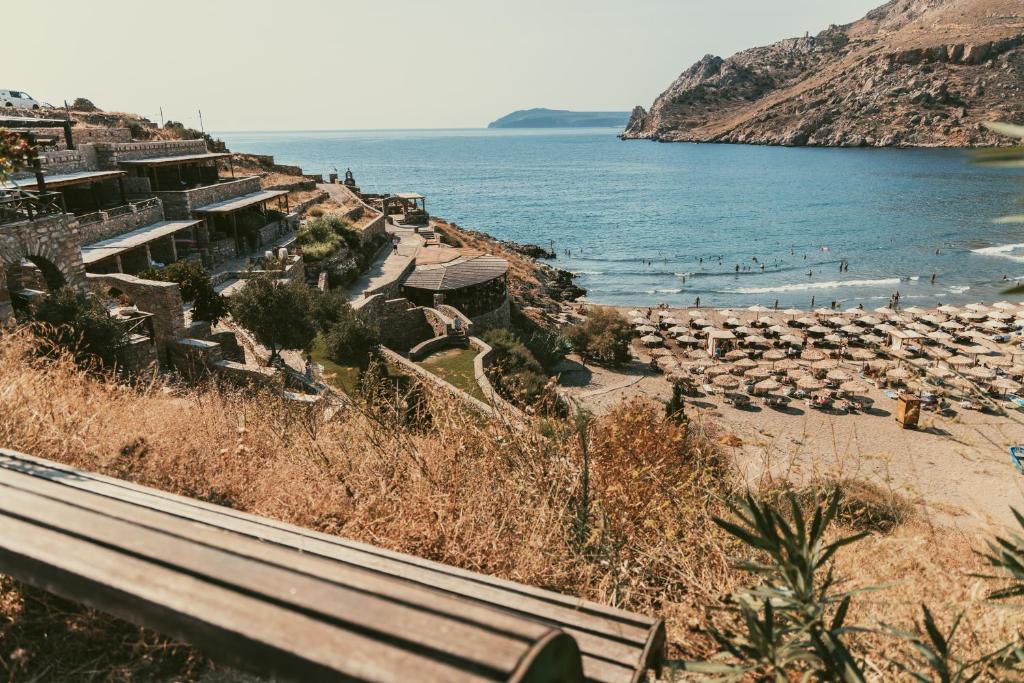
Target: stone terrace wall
{"type": "Point", "coordinates": [400, 324]}
{"type": "Point", "coordinates": [499, 317]}
{"type": "Point", "coordinates": [84, 136]}
{"type": "Point", "coordinates": [64, 161]}
{"type": "Point", "coordinates": [142, 213]}
{"type": "Point", "coordinates": [162, 299]}
{"type": "Point", "coordinates": [481, 363]}
{"type": "Point", "coordinates": [180, 203]}
{"type": "Point", "coordinates": [108, 154]}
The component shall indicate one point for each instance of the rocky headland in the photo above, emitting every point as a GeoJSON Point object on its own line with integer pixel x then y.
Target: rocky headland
{"type": "Point", "coordinates": [913, 73]}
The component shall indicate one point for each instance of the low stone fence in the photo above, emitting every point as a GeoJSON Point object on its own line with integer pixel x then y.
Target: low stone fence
{"type": "Point", "coordinates": [435, 344]}
{"type": "Point", "coordinates": [63, 161]}
{"type": "Point", "coordinates": [293, 270]}
{"type": "Point", "coordinates": [400, 324]}
{"type": "Point", "coordinates": [481, 363]}
{"type": "Point", "coordinates": [103, 225]}
{"type": "Point", "coordinates": [243, 374]}
{"type": "Point", "coordinates": [433, 380]}
{"type": "Point", "coordinates": [298, 186]}
{"type": "Point", "coordinates": [455, 314]}
{"type": "Point", "coordinates": [83, 136]}
{"type": "Point", "coordinates": [316, 199]}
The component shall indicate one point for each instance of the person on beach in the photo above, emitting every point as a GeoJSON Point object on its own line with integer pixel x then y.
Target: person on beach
{"type": "Point", "coordinates": [776, 304]}
{"type": "Point", "coordinates": [696, 303]}
{"type": "Point", "coordinates": [812, 302]}
{"type": "Point", "coordinates": [933, 279]}
{"type": "Point", "coordinates": [394, 245]}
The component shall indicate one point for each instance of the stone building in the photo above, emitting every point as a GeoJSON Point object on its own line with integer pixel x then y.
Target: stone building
{"type": "Point", "coordinates": [473, 282]}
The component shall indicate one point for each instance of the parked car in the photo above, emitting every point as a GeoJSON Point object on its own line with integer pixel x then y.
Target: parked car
{"type": "Point", "coordinates": [18, 99]}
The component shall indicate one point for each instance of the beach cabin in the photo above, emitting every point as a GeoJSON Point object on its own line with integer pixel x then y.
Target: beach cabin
{"type": "Point", "coordinates": [899, 340]}
{"type": "Point", "coordinates": [720, 342]}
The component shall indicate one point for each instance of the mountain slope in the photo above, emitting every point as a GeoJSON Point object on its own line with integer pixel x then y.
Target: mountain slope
{"type": "Point", "coordinates": [910, 73]}
{"type": "Point", "coordinates": [560, 118]}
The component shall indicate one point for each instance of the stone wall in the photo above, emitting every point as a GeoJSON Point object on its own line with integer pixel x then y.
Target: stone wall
{"type": "Point", "coordinates": [446, 341]}
{"type": "Point", "coordinates": [162, 299]}
{"type": "Point", "coordinates": [452, 313]}
{"type": "Point", "coordinates": [142, 213]}
{"type": "Point", "coordinates": [193, 358]}
{"type": "Point", "coordinates": [400, 324]}
{"type": "Point", "coordinates": [498, 318]}
{"type": "Point", "coordinates": [248, 375]}
{"type": "Point", "coordinates": [316, 199]}
{"type": "Point", "coordinates": [179, 204]}
{"type": "Point", "coordinates": [53, 243]}
{"type": "Point", "coordinates": [481, 363]}
{"type": "Point", "coordinates": [137, 356]}
{"type": "Point", "coordinates": [63, 161]}
{"type": "Point", "coordinates": [109, 153]}
{"type": "Point", "coordinates": [84, 136]}
{"type": "Point", "coordinates": [435, 381]}
{"type": "Point", "coordinates": [393, 289]}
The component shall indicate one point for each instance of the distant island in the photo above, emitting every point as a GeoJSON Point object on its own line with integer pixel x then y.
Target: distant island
{"type": "Point", "coordinates": [560, 118]}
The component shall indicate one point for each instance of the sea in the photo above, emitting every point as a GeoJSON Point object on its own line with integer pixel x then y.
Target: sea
{"type": "Point", "coordinates": [642, 223]}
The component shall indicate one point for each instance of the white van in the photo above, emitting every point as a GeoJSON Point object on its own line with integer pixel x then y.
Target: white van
{"type": "Point", "coordinates": [20, 100]}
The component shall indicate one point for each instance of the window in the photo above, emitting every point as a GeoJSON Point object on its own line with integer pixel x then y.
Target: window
{"type": "Point", "coordinates": [15, 93]}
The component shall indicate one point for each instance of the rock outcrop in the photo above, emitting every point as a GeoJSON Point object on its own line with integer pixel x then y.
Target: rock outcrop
{"type": "Point", "coordinates": [910, 73]}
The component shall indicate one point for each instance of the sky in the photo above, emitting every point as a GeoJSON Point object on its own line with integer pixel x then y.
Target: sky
{"type": "Point", "coordinates": [380, 64]}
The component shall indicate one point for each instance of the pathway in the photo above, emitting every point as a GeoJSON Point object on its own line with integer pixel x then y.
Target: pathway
{"type": "Point", "coordinates": [389, 264]}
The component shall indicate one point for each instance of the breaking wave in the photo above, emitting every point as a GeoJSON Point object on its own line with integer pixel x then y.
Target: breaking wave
{"type": "Point", "coordinates": [831, 284]}
{"type": "Point", "coordinates": [1002, 250]}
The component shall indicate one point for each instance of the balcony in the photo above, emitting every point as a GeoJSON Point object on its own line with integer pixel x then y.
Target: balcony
{"type": "Point", "coordinates": [19, 205]}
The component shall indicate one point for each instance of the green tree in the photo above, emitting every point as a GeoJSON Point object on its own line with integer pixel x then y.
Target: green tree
{"type": "Point", "coordinates": [604, 336]}
{"type": "Point", "coordinates": [195, 286]}
{"type": "Point", "coordinates": [79, 323]}
{"type": "Point", "coordinates": [280, 315]}
{"type": "Point", "coordinates": [347, 339]}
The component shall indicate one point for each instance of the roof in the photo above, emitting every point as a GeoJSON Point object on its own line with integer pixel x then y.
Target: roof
{"type": "Point", "coordinates": [236, 203]}
{"type": "Point", "coordinates": [97, 251]}
{"type": "Point", "coordinates": [169, 161]}
{"type": "Point", "coordinates": [64, 179]}
{"type": "Point", "coordinates": [32, 122]}
{"type": "Point", "coordinates": [409, 195]}
{"type": "Point", "coordinates": [464, 272]}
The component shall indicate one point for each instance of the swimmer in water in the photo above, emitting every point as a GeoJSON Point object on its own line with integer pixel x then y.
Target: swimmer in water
{"type": "Point", "coordinates": [810, 273]}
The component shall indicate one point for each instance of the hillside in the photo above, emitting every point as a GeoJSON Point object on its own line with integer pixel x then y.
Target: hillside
{"type": "Point", "coordinates": [559, 118]}
{"type": "Point", "coordinates": [910, 73]}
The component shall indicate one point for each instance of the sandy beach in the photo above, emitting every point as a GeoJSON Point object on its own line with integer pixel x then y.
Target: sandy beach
{"type": "Point", "coordinates": [955, 463]}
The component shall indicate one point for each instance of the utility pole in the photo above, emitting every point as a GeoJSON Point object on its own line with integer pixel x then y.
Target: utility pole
{"type": "Point", "coordinates": [161, 117]}
{"type": "Point", "coordinates": [201, 129]}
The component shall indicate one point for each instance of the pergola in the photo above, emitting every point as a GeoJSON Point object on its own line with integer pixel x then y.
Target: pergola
{"type": "Point", "coordinates": [133, 251]}
{"type": "Point", "coordinates": [179, 172]}
{"type": "Point", "coordinates": [83, 191]}
{"type": "Point", "coordinates": [30, 122]}
{"type": "Point", "coordinates": [229, 209]}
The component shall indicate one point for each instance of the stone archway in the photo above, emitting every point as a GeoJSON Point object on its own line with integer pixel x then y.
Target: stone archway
{"type": "Point", "coordinates": [50, 244]}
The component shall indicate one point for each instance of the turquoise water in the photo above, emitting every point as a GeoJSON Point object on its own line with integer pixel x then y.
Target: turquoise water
{"type": "Point", "coordinates": [648, 222]}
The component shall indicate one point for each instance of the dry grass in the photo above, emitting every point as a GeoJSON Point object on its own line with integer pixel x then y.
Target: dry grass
{"type": "Point", "coordinates": [458, 490]}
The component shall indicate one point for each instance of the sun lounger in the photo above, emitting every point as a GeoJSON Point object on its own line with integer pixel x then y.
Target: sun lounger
{"type": "Point", "coordinates": [892, 394]}
{"type": "Point", "coordinates": [1016, 400]}
{"type": "Point", "coordinates": [1017, 457]}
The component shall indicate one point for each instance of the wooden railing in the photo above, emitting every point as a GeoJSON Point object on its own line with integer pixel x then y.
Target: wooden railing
{"type": "Point", "coordinates": [21, 205]}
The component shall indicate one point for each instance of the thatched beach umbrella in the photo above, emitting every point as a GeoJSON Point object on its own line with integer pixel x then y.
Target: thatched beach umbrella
{"type": "Point", "coordinates": [855, 387]}
{"type": "Point", "coordinates": [786, 364]}
{"type": "Point", "coordinates": [701, 322]}
{"type": "Point", "coordinates": [977, 307]}
{"type": "Point", "coordinates": [806, 322]}
{"type": "Point", "coordinates": [667, 363]}
{"type": "Point", "coordinates": [915, 311]}
{"type": "Point", "coordinates": [872, 339]}
{"type": "Point", "coordinates": [736, 354]}
{"type": "Point", "coordinates": [939, 372]}
{"type": "Point", "coordinates": [792, 312]}
{"type": "Point", "coordinates": [813, 355]}
{"type": "Point", "coordinates": [899, 373]}
{"type": "Point", "coordinates": [659, 352]}
{"type": "Point", "coordinates": [646, 329]}
{"type": "Point", "coordinates": [743, 364]}
{"type": "Point", "coordinates": [817, 331]}
{"type": "Point", "coordinates": [726, 382]}
{"type": "Point", "coordinates": [715, 370]}
{"type": "Point", "coordinates": [824, 364]}
{"type": "Point", "coordinates": [823, 311]}
{"type": "Point", "coordinates": [651, 340]}
{"type": "Point", "coordinates": [677, 330]}
{"type": "Point", "coordinates": [687, 340]}
{"type": "Point", "coordinates": [1005, 306]}
{"type": "Point", "coordinates": [861, 354]}
{"type": "Point", "coordinates": [774, 355]}
{"type": "Point", "coordinates": [851, 329]}
{"type": "Point", "coordinates": [791, 340]}
{"type": "Point", "coordinates": [980, 372]}
{"type": "Point", "coordinates": [948, 310]}
{"type": "Point", "coordinates": [838, 375]}
{"type": "Point", "coordinates": [1006, 385]}
{"type": "Point", "coordinates": [757, 340]}
{"type": "Point", "coordinates": [951, 325]}
{"type": "Point", "coordinates": [760, 372]}
{"type": "Point", "coordinates": [767, 385]}
{"type": "Point", "coordinates": [960, 361]}
{"type": "Point", "coordinates": [809, 383]}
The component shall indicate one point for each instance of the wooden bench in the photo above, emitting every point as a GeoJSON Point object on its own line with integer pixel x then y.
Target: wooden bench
{"type": "Point", "coordinates": [295, 604]}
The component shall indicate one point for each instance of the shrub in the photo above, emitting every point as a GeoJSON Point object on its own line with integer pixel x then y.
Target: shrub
{"type": "Point", "coordinates": [347, 339]}
{"type": "Point", "coordinates": [604, 336]}
{"type": "Point", "coordinates": [515, 372]}
{"type": "Point", "coordinates": [279, 315]}
{"type": "Point", "coordinates": [79, 323]}
{"type": "Point", "coordinates": [316, 211]}
{"type": "Point", "coordinates": [195, 286]}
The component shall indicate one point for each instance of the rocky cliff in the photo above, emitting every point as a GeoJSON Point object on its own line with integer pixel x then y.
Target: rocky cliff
{"type": "Point", "coordinates": [910, 73]}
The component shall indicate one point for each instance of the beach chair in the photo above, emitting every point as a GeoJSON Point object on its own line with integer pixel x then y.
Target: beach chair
{"type": "Point", "coordinates": [1015, 400]}
{"type": "Point", "coordinates": [891, 394]}
{"type": "Point", "coordinates": [1017, 457]}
